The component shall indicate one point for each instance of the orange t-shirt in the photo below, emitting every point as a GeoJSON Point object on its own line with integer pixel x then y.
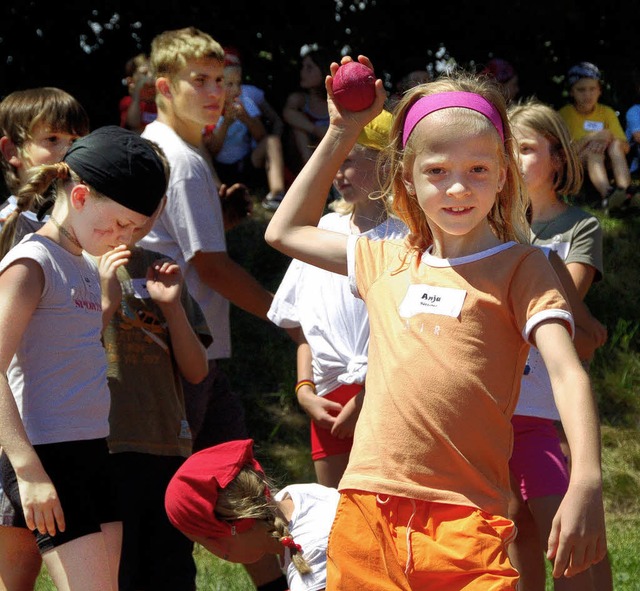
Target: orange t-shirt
{"type": "Point", "coordinates": [449, 341]}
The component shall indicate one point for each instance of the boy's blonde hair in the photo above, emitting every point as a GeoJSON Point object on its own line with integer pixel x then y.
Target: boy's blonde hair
{"type": "Point", "coordinates": [508, 215]}
{"type": "Point", "coordinates": [171, 50]}
{"type": "Point", "coordinates": [546, 121]}
{"type": "Point", "coordinates": [248, 496]}
{"type": "Point", "coordinates": [23, 110]}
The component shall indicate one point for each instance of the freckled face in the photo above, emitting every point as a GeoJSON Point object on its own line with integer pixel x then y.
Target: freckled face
{"type": "Point", "coordinates": [456, 174]}
{"type": "Point", "coordinates": [103, 224]}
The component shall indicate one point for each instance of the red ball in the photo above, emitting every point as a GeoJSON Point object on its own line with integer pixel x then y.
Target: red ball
{"type": "Point", "coordinates": [354, 86]}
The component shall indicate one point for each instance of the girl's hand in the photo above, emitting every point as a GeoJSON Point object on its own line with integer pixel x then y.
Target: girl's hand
{"type": "Point", "coordinates": [345, 423]}
{"type": "Point", "coordinates": [578, 538]}
{"type": "Point", "coordinates": [322, 411]}
{"type": "Point", "coordinates": [164, 282]}
{"type": "Point", "coordinates": [41, 506]}
{"type": "Point", "coordinates": [343, 118]}
{"type": "Point", "coordinates": [107, 267]}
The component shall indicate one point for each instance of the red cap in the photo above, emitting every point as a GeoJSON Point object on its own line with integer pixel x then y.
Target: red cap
{"type": "Point", "coordinates": [232, 57]}
{"type": "Point", "coordinates": [192, 494]}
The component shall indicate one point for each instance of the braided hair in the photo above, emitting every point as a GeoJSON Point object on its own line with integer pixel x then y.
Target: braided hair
{"type": "Point", "coordinates": [248, 496]}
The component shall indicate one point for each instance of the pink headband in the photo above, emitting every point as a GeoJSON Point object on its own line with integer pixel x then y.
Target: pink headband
{"type": "Point", "coordinates": [446, 100]}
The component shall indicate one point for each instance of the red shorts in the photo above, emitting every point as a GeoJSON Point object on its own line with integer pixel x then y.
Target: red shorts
{"type": "Point", "coordinates": [324, 444]}
{"type": "Point", "coordinates": [537, 462]}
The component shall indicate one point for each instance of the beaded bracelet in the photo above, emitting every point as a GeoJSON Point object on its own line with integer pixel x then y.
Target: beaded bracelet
{"type": "Point", "coordinates": [304, 383]}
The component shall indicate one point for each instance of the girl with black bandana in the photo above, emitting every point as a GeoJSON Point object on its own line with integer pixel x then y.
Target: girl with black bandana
{"type": "Point", "coordinates": [54, 398]}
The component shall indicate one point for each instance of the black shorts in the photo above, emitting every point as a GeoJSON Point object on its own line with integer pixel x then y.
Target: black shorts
{"type": "Point", "coordinates": [79, 471]}
{"type": "Point", "coordinates": [155, 555]}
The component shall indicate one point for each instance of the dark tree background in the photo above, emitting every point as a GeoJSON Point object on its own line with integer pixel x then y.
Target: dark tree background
{"type": "Point", "coordinates": [82, 46]}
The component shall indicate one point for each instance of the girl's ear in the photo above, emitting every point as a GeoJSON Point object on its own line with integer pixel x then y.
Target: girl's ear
{"type": "Point", "coordinates": [408, 184]}
{"type": "Point", "coordinates": [10, 152]}
{"type": "Point", "coordinates": [78, 196]}
{"type": "Point", "coordinates": [502, 178]}
{"type": "Point", "coordinates": [163, 86]}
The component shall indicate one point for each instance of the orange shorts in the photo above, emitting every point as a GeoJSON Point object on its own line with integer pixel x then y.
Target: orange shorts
{"type": "Point", "coordinates": [383, 543]}
{"type": "Point", "coordinates": [323, 444]}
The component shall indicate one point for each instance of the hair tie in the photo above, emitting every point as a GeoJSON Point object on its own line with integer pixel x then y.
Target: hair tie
{"type": "Point", "coordinates": [448, 100]}
{"type": "Point", "coordinates": [288, 542]}
{"type": "Point", "coordinates": [62, 170]}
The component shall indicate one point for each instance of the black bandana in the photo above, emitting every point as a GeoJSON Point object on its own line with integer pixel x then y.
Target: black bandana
{"type": "Point", "coordinates": [122, 166]}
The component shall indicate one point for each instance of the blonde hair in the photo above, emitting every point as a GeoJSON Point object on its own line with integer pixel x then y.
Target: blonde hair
{"type": "Point", "coordinates": [248, 496]}
{"type": "Point", "coordinates": [171, 50]}
{"type": "Point", "coordinates": [45, 185]}
{"type": "Point", "coordinates": [508, 215]}
{"type": "Point", "coordinates": [22, 110]}
{"type": "Point", "coordinates": [344, 207]}
{"type": "Point", "coordinates": [546, 121]}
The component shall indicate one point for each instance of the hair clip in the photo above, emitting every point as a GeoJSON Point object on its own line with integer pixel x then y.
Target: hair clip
{"type": "Point", "coordinates": [288, 542]}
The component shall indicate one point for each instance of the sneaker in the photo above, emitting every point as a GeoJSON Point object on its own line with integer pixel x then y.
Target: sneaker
{"type": "Point", "coordinates": [273, 201]}
{"type": "Point", "coordinates": [614, 200]}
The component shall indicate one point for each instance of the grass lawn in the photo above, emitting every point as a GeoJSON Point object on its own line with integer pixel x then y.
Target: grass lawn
{"type": "Point", "coordinates": [621, 470]}
{"type": "Point", "coordinates": [263, 371]}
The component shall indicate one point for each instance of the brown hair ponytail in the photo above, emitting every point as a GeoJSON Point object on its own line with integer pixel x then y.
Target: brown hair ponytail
{"type": "Point", "coordinates": [34, 194]}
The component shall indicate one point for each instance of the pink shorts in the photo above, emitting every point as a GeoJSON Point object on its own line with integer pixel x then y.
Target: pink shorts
{"type": "Point", "coordinates": [537, 463]}
{"type": "Point", "coordinates": [324, 444]}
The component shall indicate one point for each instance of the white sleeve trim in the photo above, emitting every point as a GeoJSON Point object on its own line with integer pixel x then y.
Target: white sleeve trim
{"type": "Point", "coordinates": [546, 315]}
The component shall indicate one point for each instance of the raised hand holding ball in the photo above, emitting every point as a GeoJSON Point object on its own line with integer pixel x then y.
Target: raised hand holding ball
{"type": "Point", "coordinates": [354, 86]}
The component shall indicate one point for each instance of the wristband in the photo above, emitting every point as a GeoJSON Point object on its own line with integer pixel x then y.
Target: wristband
{"type": "Point", "coordinates": [304, 383]}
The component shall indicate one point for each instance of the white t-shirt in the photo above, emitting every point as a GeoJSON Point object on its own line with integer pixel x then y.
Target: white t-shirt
{"type": "Point", "coordinates": [314, 510]}
{"type": "Point", "coordinates": [536, 393]}
{"type": "Point", "coordinates": [191, 222]}
{"type": "Point", "coordinates": [333, 321]}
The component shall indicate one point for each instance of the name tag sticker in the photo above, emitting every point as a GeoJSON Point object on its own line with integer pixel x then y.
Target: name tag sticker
{"type": "Point", "coordinates": [140, 290]}
{"type": "Point", "coordinates": [428, 299]}
{"type": "Point", "coordinates": [593, 125]}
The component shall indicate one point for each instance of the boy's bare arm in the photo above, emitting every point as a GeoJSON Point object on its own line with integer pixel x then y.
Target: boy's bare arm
{"type": "Point", "coordinates": [222, 274]}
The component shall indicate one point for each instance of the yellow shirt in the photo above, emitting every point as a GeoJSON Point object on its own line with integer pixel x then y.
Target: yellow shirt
{"type": "Point", "coordinates": [581, 125]}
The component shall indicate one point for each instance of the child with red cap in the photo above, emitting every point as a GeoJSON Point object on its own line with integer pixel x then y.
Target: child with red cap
{"type": "Point", "coordinates": [221, 499]}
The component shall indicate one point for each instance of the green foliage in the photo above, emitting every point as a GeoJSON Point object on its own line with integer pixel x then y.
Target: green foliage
{"type": "Point", "coordinates": [615, 370]}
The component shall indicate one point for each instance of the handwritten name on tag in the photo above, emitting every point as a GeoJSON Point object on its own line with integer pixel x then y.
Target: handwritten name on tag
{"type": "Point", "coordinates": [593, 125]}
{"type": "Point", "coordinates": [429, 299]}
